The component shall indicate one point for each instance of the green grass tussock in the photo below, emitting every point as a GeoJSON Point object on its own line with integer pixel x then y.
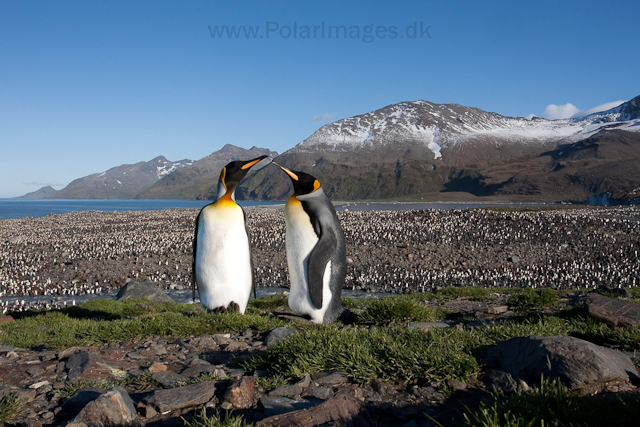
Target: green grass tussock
{"type": "Point", "coordinates": [362, 355]}
{"type": "Point", "coordinates": [392, 310]}
{"type": "Point", "coordinates": [10, 407]}
{"type": "Point", "coordinates": [203, 420]}
{"type": "Point", "coordinates": [551, 405]}
{"type": "Point", "coordinates": [57, 329]}
{"type": "Point", "coordinates": [532, 299]}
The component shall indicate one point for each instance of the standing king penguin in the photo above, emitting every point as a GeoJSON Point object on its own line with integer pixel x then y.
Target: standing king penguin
{"type": "Point", "coordinates": [222, 261]}
{"type": "Point", "coordinates": [316, 253]}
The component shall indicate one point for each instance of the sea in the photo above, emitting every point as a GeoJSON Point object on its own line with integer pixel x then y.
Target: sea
{"type": "Point", "coordinates": [25, 208]}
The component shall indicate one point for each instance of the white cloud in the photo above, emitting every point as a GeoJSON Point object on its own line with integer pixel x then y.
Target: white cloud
{"type": "Point", "coordinates": [323, 117]}
{"type": "Point", "coordinates": [603, 107]}
{"type": "Point", "coordinates": [555, 112]}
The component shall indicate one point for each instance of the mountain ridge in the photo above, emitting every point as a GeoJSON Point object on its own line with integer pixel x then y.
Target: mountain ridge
{"type": "Point", "coordinates": [411, 149]}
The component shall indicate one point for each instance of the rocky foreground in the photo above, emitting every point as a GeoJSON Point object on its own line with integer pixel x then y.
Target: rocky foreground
{"type": "Point", "coordinates": [164, 381]}
{"type": "Point", "coordinates": [82, 253]}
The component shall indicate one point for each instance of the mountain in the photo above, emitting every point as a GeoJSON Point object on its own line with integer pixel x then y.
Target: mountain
{"type": "Point", "coordinates": [200, 179]}
{"type": "Point", "coordinates": [42, 193]}
{"type": "Point", "coordinates": [425, 149]}
{"type": "Point", "coordinates": [121, 182]}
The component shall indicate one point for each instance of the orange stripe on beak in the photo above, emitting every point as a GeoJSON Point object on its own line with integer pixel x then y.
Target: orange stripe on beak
{"type": "Point", "coordinates": [291, 174]}
{"type": "Point", "coordinates": [251, 163]}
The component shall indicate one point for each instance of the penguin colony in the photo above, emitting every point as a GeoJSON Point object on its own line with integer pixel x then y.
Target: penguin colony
{"type": "Point", "coordinates": [57, 258]}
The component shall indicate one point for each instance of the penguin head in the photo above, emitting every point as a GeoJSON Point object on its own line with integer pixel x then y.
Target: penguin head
{"type": "Point", "coordinates": [234, 172]}
{"type": "Point", "coordinates": [303, 183]}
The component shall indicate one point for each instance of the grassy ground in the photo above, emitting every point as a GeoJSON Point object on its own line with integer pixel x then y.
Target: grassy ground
{"type": "Point", "coordinates": [376, 345]}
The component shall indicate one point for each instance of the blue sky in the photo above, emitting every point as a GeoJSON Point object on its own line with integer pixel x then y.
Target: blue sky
{"type": "Point", "coordinates": [85, 86]}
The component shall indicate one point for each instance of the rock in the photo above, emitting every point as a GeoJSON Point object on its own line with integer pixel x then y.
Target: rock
{"type": "Point", "coordinates": [274, 405]}
{"type": "Point", "coordinates": [619, 292]}
{"type": "Point", "coordinates": [197, 370]}
{"type": "Point", "coordinates": [497, 310]}
{"type": "Point", "coordinates": [39, 384]}
{"type": "Point", "coordinates": [291, 390]}
{"type": "Point", "coordinates": [428, 325]}
{"type": "Point", "coordinates": [277, 335]}
{"type": "Point", "coordinates": [205, 342]}
{"type": "Point", "coordinates": [305, 381]}
{"type": "Point", "coordinates": [329, 378]}
{"type": "Point", "coordinates": [157, 367]}
{"type": "Point", "coordinates": [513, 258]}
{"type": "Point", "coordinates": [148, 290]}
{"type": "Point", "coordinates": [113, 408]}
{"type": "Point", "coordinates": [181, 397]}
{"type": "Point", "coordinates": [80, 399]}
{"type": "Point", "coordinates": [168, 379]}
{"type": "Point", "coordinates": [68, 352]}
{"type": "Point", "coordinates": [613, 311]}
{"type": "Point", "coordinates": [498, 380]}
{"type": "Point", "coordinates": [240, 394]}
{"type": "Point", "coordinates": [574, 361]}
{"type": "Point", "coordinates": [221, 339]}
{"type": "Point", "coordinates": [7, 319]}
{"type": "Point", "coordinates": [457, 385]}
{"type": "Point", "coordinates": [93, 366]}
{"type": "Point", "coordinates": [345, 408]}
{"type": "Point", "coordinates": [319, 392]}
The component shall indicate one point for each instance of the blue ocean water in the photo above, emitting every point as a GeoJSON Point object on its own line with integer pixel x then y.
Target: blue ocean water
{"type": "Point", "coordinates": [24, 208]}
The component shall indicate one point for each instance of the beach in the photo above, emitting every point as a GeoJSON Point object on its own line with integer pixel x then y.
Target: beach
{"type": "Point", "coordinates": [47, 262]}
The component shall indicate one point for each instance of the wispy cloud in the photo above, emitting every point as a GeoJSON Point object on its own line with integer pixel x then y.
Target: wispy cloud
{"type": "Point", "coordinates": [323, 117]}
{"type": "Point", "coordinates": [602, 107]}
{"type": "Point", "coordinates": [555, 112]}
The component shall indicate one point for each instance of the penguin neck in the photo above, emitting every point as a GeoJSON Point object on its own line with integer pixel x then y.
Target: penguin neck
{"type": "Point", "coordinates": [226, 189]}
{"type": "Point", "coordinates": [226, 196]}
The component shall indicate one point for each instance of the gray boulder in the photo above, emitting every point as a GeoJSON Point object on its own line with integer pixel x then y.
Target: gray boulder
{"type": "Point", "coordinates": [148, 290]}
{"type": "Point", "coordinates": [573, 361]}
{"type": "Point", "coordinates": [615, 312]}
{"type": "Point", "coordinates": [278, 334]}
{"type": "Point", "coordinates": [113, 408]}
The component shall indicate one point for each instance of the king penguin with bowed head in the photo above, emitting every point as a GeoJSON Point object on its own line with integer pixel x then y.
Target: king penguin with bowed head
{"type": "Point", "coordinates": [316, 253]}
{"type": "Point", "coordinates": [222, 261]}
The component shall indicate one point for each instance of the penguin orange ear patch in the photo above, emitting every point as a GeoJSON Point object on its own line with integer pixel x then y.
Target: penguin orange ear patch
{"type": "Point", "coordinates": [223, 174]}
{"type": "Point", "coordinates": [316, 185]}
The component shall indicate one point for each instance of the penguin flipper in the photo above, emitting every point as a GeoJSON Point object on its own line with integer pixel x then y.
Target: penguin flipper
{"type": "Point", "coordinates": [253, 274]}
{"type": "Point", "coordinates": [317, 264]}
{"type": "Point", "coordinates": [193, 261]}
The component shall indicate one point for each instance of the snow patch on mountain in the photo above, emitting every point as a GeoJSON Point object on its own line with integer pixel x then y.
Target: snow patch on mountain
{"type": "Point", "coordinates": [442, 125]}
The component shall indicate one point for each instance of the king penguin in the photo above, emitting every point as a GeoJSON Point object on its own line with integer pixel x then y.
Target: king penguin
{"type": "Point", "coordinates": [222, 261]}
{"type": "Point", "coordinates": [316, 253]}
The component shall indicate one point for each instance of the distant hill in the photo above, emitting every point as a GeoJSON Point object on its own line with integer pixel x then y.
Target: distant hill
{"type": "Point", "coordinates": [42, 193]}
{"type": "Point", "coordinates": [199, 180]}
{"type": "Point", "coordinates": [121, 182]}
{"type": "Point", "coordinates": [415, 149]}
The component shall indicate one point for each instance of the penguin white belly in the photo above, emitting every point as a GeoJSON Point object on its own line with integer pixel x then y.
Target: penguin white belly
{"type": "Point", "coordinates": [223, 259]}
{"type": "Point", "coordinates": [300, 240]}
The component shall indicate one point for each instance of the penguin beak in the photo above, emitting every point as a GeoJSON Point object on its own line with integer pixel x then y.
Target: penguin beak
{"type": "Point", "coordinates": [291, 174]}
{"type": "Point", "coordinates": [252, 162]}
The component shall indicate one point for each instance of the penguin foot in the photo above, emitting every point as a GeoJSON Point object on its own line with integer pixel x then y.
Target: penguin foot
{"type": "Point", "coordinates": [233, 307]}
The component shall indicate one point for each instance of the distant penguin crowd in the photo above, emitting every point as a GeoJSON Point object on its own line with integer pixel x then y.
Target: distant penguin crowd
{"type": "Point", "coordinates": [223, 271]}
{"type": "Point", "coordinates": [58, 260]}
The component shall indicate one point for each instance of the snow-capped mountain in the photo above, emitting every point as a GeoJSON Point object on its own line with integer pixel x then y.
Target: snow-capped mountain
{"type": "Point", "coordinates": [416, 148]}
{"type": "Point", "coordinates": [444, 125]}
{"type": "Point", "coordinates": [121, 182]}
